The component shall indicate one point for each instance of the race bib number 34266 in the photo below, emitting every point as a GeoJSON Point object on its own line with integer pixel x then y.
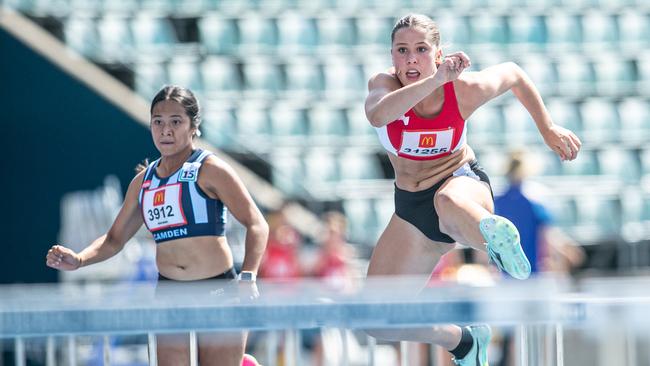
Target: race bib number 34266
{"type": "Point", "coordinates": [162, 207]}
{"type": "Point", "coordinates": [426, 143]}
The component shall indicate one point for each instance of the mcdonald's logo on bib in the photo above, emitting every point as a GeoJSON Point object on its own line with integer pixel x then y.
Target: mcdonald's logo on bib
{"type": "Point", "coordinates": [159, 198]}
{"type": "Point", "coordinates": [427, 140]}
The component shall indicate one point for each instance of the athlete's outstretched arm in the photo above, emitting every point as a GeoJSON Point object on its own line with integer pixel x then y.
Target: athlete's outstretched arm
{"type": "Point", "coordinates": [126, 224]}
{"type": "Point", "coordinates": [223, 181]}
{"type": "Point", "coordinates": [495, 80]}
{"type": "Point", "coordinates": [387, 100]}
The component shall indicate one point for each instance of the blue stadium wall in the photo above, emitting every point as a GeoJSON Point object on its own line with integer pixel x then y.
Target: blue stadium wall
{"type": "Point", "coordinates": [58, 136]}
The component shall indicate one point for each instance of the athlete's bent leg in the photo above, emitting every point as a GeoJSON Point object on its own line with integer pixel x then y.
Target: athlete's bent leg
{"type": "Point", "coordinates": [465, 206]}
{"type": "Point", "coordinates": [461, 203]}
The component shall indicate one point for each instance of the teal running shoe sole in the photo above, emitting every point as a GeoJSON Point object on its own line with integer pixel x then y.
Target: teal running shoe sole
{"type": "Point", "coordinates": [504, 247]}
{"type": "Point", "coordinates": [478, 354]}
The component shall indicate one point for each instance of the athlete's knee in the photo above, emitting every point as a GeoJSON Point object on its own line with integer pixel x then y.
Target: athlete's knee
{"type": "Point", "coordinates": [445, 203]}
{"type": "Point", "coordinates": [447, 200]}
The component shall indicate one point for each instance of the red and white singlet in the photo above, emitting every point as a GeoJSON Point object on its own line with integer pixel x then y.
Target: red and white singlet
{"type": "Point", "coordinates": [416, 138]}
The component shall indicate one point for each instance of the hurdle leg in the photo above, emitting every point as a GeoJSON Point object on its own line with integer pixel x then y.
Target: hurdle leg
{"type": "Point", "coordinates": [537, 343]}
{"type": "Point", "coordinates": [522, 344]}
{"type": "Point", "coordinates": [72, 350]}
{"type": "Point", "coordinates": [559, 345]}
{"type": "Point", "coordinates": [272, 347]}
{"type": "Point", "coordinates": [153, 349]}
{"type": "Point", "coordinates": [19, 351]}
{"type": "Point", "coordinates": [289, 355]}
{"type": "Point", "coordinates": [532, 346]}
{"type": "Point", "coordinates": [372, 345]}
{"type": "Point", "coordinates": [297, 347]}
{"type": "Point", "coordinates": [403, 353]}
{"type": "Point", "coordinates": [345, 347]}
{"type": "Point", "coordinates": [106, 350]}
{"type": "Point", "coordinates": [630, 342]}
{"type": "Point", "coordinates": [194, 354]}
{"type": "Point", "coordinates": [50, 351]}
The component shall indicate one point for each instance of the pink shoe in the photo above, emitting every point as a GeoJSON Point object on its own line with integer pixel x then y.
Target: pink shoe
{"type": "Point", "coordinates": [249, 361]}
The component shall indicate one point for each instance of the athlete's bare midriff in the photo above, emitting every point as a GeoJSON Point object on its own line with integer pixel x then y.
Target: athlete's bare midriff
{"type": "Point", "coordinates": [194, 258]}
{"type": "Point", "coordinates": [418, 175]}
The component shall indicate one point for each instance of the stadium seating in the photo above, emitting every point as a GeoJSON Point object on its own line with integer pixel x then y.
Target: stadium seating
{"type": "Point", "coordinates": [286, 80]}
{"type": "Point", "coordinates": [80, 34]}
{"type": "Point", "coordinates": [218, 34]}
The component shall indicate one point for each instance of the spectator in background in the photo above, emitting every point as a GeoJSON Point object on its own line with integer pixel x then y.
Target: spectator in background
{"type": "Point", "coordinates": [547, 247]}
{"type": "Point", "coordinates": [333, 263]}
{"type": "Point", "coordinates": [281, 262]}
{"type": "Point", "coordinates": [282, 258]}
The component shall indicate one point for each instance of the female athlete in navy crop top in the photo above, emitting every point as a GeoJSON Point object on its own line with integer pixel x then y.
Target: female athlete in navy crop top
{"type": "Point", "coordinates": [442, 196]}
{"type": "Point", "coordinates": [181, 198]}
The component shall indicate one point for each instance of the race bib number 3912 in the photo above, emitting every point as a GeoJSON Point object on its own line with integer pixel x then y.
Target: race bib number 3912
{"type": "Point", "coordinates": [162, 207]}
{"type": "Point", "coordinates": [426, 143]}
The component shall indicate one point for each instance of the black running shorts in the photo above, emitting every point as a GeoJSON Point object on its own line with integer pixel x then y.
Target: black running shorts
{"type": "Point", "coordinates": [417, 207]}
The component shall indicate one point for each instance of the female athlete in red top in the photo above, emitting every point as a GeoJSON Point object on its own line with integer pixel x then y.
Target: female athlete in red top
{"type": "Point", "coordinates": [442, 196]}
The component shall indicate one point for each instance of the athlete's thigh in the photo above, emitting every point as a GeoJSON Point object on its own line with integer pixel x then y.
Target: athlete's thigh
{"type": "Point", "coordinates": [221, 348]}
{"type": "Point", "coordinates": [469, 188]}
{"type": "Point", "coordinates": [402, 249]}
{"type": "Point", "coordinates": [173, 349]}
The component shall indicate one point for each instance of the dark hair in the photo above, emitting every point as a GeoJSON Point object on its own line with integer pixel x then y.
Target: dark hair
{"type": "Point", "coordinates": [184, 97]}
{"type": "Point", "coordinates": [418, 21]}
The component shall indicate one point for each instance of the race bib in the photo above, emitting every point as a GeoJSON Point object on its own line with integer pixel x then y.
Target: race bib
{"type": "Point", "coordinates": [162, 207]}
{"type": "Point", "coordinates": [426, 143]}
